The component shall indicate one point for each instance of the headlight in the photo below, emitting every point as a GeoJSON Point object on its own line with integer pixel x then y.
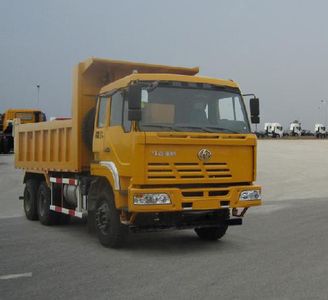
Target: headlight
{"type": "Point", "coordinates": [151, 199]}
{"type": "Point", "coordinates": [250, 195]}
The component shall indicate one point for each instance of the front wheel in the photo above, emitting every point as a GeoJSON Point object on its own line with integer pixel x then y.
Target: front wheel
{"type": "Point", "coordinates": [211, 233]}
{"type": "Point", "coordinates": [110, 231]}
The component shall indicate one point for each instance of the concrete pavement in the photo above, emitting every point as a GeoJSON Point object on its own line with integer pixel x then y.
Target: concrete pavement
{"type": "Point", "coordinates": [279, 253]}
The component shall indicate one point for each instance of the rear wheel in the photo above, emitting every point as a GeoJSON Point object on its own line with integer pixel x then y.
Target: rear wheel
{"type": "Point", "coordinates": [110, 231]}
{"type": "Point", "coordinates": [46, 216]}
{"type": "Point", "coordinates": [5, 146]}
{"type": "Point", "coordinates": [11, 144]}
{"type": "Point", "coordinates": [211, 233]}
{"type": "Point", "coordinates": [30, 199]}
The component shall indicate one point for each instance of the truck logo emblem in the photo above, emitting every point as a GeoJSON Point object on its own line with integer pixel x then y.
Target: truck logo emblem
{"type": "Point", "coordinates": [204, 154]}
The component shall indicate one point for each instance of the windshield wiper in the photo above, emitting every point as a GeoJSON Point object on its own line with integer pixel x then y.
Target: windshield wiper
{"type": "Point", "coordinates": [205, 129]}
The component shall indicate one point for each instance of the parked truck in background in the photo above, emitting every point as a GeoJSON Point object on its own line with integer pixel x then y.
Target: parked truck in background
{"type": "Point", "coordinates": [7, 122]}
{"type": "Point", "coordinates": [273, 130]}
{"type": "Point", "coordinates": [295, 129]}
{"type": "Point", "coordinates": [320, 131]}
{"type": "Point", "coordinates": [149, 147]}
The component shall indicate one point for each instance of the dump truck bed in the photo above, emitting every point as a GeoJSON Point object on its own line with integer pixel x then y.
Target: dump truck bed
{"type": "Point", "coordinates": [46, 146]}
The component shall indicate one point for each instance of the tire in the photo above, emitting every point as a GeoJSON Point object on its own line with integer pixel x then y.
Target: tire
{"type": "Point", "coordinates": [5, 146]}
{"type": "Point", "coordinates": [110, 231]}
{"type": "Point", "coordinates": [211, 233]}
{"type": "Point", "coordinates": [1, 145]}
{"type": "Point", "coordinates": [46, 216]}
{"type": "Point", "coordinates": [87, 128]}
{"type": "Point", "coordinates": [11, 144]}
{"type": "Point", "coordinates": [30, 199]}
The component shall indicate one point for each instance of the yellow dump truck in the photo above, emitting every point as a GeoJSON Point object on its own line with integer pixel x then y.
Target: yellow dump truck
{"type": "Point", "coordinates": [149, 147]}
{"type": "Point", "coordinates": [6, 125]}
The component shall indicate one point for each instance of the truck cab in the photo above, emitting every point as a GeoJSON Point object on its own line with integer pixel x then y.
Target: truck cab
{"type": "Point", "coordinates": [273, 130]}
{"type": "Point", "coordinates": [179, 146]}
{"type": "Point", "coordinates": [320, 131]}
{"type": "Point", "coordinates": [23, 116]}
{"type": "Point", "coordinates": [295, 129]}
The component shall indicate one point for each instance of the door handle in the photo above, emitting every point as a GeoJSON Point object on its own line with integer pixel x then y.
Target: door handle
{"type": "Point", "coordinates": [107, 149]}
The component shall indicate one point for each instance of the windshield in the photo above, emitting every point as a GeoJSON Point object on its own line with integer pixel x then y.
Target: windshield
{"type": "Point", "coordinates": [191, 107]}
{"type": "Point", "coordinates": [24, 116]}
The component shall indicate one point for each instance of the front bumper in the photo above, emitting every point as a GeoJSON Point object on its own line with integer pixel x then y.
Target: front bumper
{"type": "Point", "coordinates": [197, 198]}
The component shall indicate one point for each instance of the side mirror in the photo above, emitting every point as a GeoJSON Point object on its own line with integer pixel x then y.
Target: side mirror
{"type": "Point", "coordinates": [254, 104]}
{"type": "Point", "coordinates": [134, 100]}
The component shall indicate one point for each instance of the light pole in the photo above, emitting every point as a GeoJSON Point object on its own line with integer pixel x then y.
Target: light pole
{"type": "Point", "coordinates": [325, 112]}
{"type": "Point", "coordinates": [38, 98]}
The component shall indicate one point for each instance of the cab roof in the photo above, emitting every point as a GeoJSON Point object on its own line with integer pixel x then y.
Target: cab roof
{"type": "Point", "coordinates": [14, 110]}
{"type": "Point", "coordinates": [123, 82]}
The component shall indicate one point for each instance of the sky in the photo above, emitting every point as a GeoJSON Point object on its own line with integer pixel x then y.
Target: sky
{"type": "Point", "coordinates": [275, 49]}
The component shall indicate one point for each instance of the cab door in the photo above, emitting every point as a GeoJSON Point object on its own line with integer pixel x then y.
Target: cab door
{"type": "Point", "coordinates": [118, 136]}
{"type": "Point", "coordinates": [100, 125]}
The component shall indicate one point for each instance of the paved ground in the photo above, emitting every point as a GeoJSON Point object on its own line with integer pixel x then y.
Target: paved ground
{"type": "Point", "coordinates": [279, 253]}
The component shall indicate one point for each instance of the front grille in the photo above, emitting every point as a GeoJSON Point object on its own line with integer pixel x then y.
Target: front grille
{"type": "Point", "coordinates": [182, 170]}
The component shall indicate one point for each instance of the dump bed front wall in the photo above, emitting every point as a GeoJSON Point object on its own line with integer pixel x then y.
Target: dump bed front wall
{"type": "Point", "coordinates": [46, 146]}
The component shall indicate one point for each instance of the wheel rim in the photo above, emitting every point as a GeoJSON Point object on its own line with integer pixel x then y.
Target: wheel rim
{"type": "Point", "coordinates": [103, 218]}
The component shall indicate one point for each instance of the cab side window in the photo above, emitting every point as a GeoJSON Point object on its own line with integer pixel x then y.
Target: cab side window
{"type": "Point", "coordinates": [116, 110]}
{"type": "Point", "coordinates": [101, 122]}
{"type": "Point", "coordinates": [119, 112]}
{"type": "Point", "coordinates": [126, 121]}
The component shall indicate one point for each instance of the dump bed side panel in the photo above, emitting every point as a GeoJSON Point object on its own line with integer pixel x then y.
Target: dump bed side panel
{"type": "Point", "coordinates": [46, 146]}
